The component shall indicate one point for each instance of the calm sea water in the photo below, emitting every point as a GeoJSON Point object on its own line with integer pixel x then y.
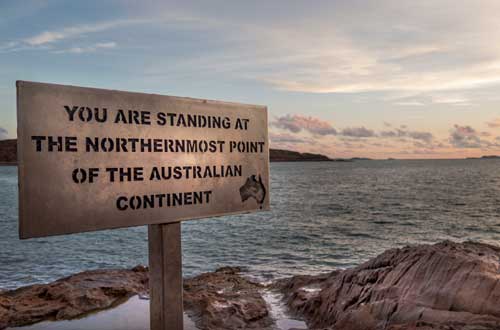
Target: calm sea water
{"type": "Point", "coordinates": [324, 216]}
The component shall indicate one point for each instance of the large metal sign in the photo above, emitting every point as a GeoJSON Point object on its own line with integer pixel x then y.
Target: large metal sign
{"type": "Point", "coordinates": [92, 159]}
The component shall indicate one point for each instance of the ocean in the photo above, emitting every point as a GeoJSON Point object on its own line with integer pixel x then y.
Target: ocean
{"type": "Point", "coordinates": [324, 216]}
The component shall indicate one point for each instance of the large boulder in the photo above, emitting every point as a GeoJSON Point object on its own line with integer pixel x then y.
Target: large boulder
{"type": "Point", "coordinates": [443, 286]}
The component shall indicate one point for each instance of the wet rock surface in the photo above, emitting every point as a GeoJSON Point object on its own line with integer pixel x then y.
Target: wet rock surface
{"type": "Point", "coordinates": [219, 300]}
{"type": "Point", "coordinates": [446, 286]}
{"type": "Point", "coordinates": [70, 297]}
{"type": "Point", "coordinates": [225, 300]}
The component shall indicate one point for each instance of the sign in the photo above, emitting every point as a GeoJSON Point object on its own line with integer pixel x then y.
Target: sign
{"type": "Point", "coordinates": [92, 159]}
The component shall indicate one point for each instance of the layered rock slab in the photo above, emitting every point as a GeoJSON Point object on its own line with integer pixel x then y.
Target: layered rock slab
{"type": "Point", "coordinates": [442, 286]}
{"type": "Point", "coordinates": [70, 297]}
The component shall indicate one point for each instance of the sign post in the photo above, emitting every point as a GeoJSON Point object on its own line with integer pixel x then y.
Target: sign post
{"type": "Point", "coordinates": [93, 159]}
{"type": "Point", "coordinates": [165, 276]}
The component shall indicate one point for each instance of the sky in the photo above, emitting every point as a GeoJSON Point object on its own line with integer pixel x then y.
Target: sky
{"type": "Point", "coordinates": [378, 79]}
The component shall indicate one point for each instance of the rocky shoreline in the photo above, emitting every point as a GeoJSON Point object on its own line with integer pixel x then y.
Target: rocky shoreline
{"type": "Point", "coordinates": [446, 286]}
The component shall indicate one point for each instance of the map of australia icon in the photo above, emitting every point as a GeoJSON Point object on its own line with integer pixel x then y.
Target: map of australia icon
{"type": "Point", "coordinates": [253, 188]}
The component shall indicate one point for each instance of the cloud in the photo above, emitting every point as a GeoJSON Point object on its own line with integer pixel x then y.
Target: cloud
{"type": "Point", "coordinates": [450, 99]}
{"type": "Point", "coordinates": [319, 128]}
{"type": "Point", "coordinates": [75, 31]}
{"type": "Point", "coordinates": [423, 136]}
{"type": "Point", "coordinates": [361, 132]}
{"type": "Point", "coordinates": [410, 103]}
{"type": "Point", "coordinates": [88, 49]}
{"type": "Point", "coordinates": [297, 123]}
{"type": "Point", "coordinates": [286, 138]}
{"type": "Point", "coordinates": [467, 137]}
{"type": "Point", "coordinates": [403, 132]}
{"type": "Point", "coordinates": [495, 123]}
{"type": "Point", "coordinates": [328, 51]}
{"type": "Point", "coordinates": [3, 133]}
{"type": "Point", "coordinates": [45, 39]}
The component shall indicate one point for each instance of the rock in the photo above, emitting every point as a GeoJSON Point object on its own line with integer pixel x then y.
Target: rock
{"type": "Point", "coordinates": [70, 297]}
{"type": "Point", "coordinates": [225, 300]}
{"type": "Point", "coordinates": [446, 286]}
{"type": "Point", "coordinates": [219, 300]}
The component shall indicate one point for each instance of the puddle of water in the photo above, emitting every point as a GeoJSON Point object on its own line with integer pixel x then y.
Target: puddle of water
{"type": "Point", "coordinates": [131, 315]}
{"type": "Point", "coordinates": [279, 314]}
{"type": "Point", "coordinates": [311, 288]}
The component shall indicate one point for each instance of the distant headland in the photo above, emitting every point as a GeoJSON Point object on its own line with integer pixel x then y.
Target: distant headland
{"type": "Point", "coordinates": [8, 154]}
{"type": "Point", "coordinates": [280, 155]}
{"type": "Point", "coordinates": [485, 157]}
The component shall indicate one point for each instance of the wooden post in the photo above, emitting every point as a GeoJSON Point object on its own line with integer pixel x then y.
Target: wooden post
{"type": "Point", "coordinates": [165, 276]}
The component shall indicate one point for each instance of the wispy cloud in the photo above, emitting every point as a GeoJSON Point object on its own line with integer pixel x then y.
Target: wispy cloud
{"type": "Point", "coordinates": [88, 49]}
{"type": "Point", "coordinates": [330, 53]}
{"type": "Point", "coordinates": [410, 103]}
{"type": "Point", "coordinates": [495, 123]}
{"type": "Point", "coordinates": [297, 123]}
{"type": "Point", "coordinates": [451, 99]}
{"type": "Point", "coordinates": [279, 138]}
{"type": "Point", "coordinates": [46, 39]}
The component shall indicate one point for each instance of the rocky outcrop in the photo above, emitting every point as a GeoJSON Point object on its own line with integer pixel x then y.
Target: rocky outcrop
{"type": "Point", "coordinates": [444, 286]}
{"type": "Point", "coordinates": [447, 286]}
{"type": "Point", "coordinates": [225, 300]}
{"type": "Point", "coordinates": [219, 300]}
{"type": "Point", "coordinates": [70, 297]}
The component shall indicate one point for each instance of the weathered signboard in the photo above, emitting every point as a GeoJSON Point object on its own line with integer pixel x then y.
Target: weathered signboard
{"type": "Point", "coordinates": [92, 159]}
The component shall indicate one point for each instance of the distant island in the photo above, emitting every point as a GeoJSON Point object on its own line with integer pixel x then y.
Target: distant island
{"type": "Point", "coordinates": [8, 154]}
{"type": "Point", "coordinates": [485, 157]}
